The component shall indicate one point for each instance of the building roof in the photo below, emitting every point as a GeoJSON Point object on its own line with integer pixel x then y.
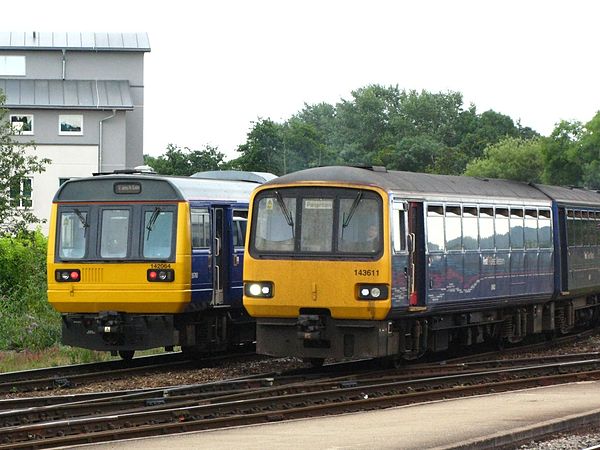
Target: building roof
{"type": "Point", "coordinates": [67, 94]}
{"type": "Point", "coordinates": [35, 40]}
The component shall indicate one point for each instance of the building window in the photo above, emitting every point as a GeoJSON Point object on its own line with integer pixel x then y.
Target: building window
{"type": "Point", "coordinates": [22, 123]}
{"type": "Point", "coordinates": [20, 193]}
{"type": "Point", "coordinates": [70, 124]}
{"type": "Point", "coordinates": [11, 66]}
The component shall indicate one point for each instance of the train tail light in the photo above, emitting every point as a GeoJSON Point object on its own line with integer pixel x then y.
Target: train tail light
{"type": "Point", "coordinates": [67, 275]}
{"type": "Point", "coordinates": [414, 300]}
{"type": "Point", "coordinates": [160, 275]}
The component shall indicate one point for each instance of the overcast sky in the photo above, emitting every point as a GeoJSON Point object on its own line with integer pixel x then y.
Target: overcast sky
{"type": "Point", "coordinates": [215, 67]}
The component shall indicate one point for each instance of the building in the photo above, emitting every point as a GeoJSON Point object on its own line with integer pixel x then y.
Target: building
{"type": "Point", "coordinates": [80, 98]}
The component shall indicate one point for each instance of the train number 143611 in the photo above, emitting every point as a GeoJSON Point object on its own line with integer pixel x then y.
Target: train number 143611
{"type": "Point", "coordinates": [366, 272]}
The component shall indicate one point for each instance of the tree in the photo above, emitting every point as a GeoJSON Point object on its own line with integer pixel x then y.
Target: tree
{"type": "Point", "coordinates": [263, 150]}
{"type": "Point", "coordinates": [185, 162]}
{"type": "Point", "coordinates": [510, 159]}
{"type": "Point", "coordinates": [17, 164]}
{"type": "Point", "coordinates": [563, 164]}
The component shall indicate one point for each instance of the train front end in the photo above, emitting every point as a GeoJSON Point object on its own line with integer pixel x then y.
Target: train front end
{"type": "Point", "coordinates": [317, 274]}
{"type": "Point", "coordinates": [118, 263]}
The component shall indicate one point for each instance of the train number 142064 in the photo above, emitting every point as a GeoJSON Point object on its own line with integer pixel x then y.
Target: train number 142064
{"type": "Point", "coordinates": [366, 272]}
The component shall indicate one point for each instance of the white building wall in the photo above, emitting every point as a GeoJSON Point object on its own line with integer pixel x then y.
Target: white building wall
{"type": "Point", "coordinates": [68, 161]}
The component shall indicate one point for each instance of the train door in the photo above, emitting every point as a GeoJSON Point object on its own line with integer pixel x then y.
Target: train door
{"type": "Point", "coordinates": [238, 232]}
{"type": "Point", "coordinates": [417, 261]}
{"type": "Point", "coordinates": [219, 252]}
{"type": "Point", "coordinates": [402, 268]}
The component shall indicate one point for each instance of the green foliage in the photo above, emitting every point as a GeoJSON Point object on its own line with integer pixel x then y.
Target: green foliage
{"type": "Point", "coordinates": [16, 163]}
{"type": "Point", "coordinates": [563, 164]}
{"type": "Point", "coordinates": [403, 130]}
{"type": "Point", "coordinates": [185, 162]}
{"type": "Point", "coordinates": [510, 159]}
{"type": "Point", "coordinates": [27, 320]}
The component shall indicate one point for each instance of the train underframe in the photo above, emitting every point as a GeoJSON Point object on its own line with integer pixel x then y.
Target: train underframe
{"type": "Point", "coordinates": [315, 336]}
{"type": "Point", "coordinates": [197, 333]}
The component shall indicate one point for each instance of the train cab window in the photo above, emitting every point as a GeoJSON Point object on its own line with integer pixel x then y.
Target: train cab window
{"type": "Point", "coordinates": [545, 228]}
{"type": "Point", "coordinates": [435, 228]}
{"type": "Point", "coordinates": [453, 228]}
{"type": "Point", "coordinates": [73, 234]}
{"type": "Point", "coordinates": [502, 228]}
{"type": "Point", "coordinates": [531, 228]}
{"type": "Point", "coordinates": [317, 221]}
{"type": "Point", "coordinates": [486, 228]}
{"type": "Point", "coordinates": [240, 220]}
{"type": "Point", "coordinates": [158, 233]}
{"type": "Point", "coordinates": [359, 226]}
{"type": "Point", "coordinates": [114, 235]}
{"type": "Point", "coordinates": [276, 224]}
{"type": "Point", "coordinates": [200, 219]}
{"type": "Point", "coordinates": [399, 227]}
{"type": "Point", "coordinates": [470, 228]}
{"type": "Point", "coordinates": [516, 228]}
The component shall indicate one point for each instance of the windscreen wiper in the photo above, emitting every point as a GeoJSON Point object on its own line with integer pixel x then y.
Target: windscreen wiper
{"type": "Point", "coordinates": [83, 221]}
{"type": "Point", "coordinates": [286, 212]}
{"type": "Point", "coordinates": [152, 220]}
{"type": "Point", "coordinates": [352, 209]}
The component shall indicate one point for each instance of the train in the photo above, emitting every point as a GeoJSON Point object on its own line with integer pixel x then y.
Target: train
{"type": "Point", "coordinates": [138, 261]}
{"type": "Point", "coordinates": [355, 262]}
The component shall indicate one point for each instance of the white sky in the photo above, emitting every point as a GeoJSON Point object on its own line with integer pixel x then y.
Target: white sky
{"type": "Point", "coordinates": [217, 66]}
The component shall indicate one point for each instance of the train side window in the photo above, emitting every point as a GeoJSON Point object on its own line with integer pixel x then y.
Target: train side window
{"type": "Point", "coordinates": [571, 229]}
{"type": "Point", "coordinates": [240, 219]}
{"type": "Point", "coordinates": [579, 231]}
{"type": "Point", "coordinates": [114, 236]}
{"type": "Point", "coordinates": [435, 228]}
{"type": "Point", "coordinates": [470, 235]}
{"type": "Point", "coordinates": [502, 226]}
{"type": "Point", "coordinates": [531, 228]}
{"type": "Point", "coordinates": [200, 227]}
{"type": "Point", "coordinates": [399, 227]}
{"type": "Point", "coordinates": [486, 228]}
{"type": "Point", "coordinates": [545, 229]}
{"type": "Point", "coordinates": [516, 228]}
{"type": "Point", "coordinates": [453, 228]}
{"type": "Point", "coordinates": [73, 234]}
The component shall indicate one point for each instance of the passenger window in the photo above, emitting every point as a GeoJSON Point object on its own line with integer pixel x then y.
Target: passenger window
{"type": "Point", "coordinates": [399, 228]}
{"type": "Point", "coordinates": [531, 228]}
{"type": "Point", "coordinates": [502, 226]}
{"type": "Point", "coordinates": [516, 228]}
{"type": "Point", "coordinates": [200, 228]}
{"type": "Point", "coordinates": [114, 238]}
{"type": "Point", "coordinates": [240, 219]}
{"type": "Point", "coordinates": [435, 228]}
{"type": "Point", "coordinates": [545, 229]}
{"type": "Point", "coordinates": [470, 229]}
{"type": "Point", "coordinates": [453, 228]}
{"type": "Point", "coordinates": [486, 228]}
{"type": "Point", "coordinates": [158, 234]}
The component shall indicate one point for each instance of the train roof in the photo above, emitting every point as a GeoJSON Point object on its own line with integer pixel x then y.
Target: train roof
{"type": "Point", "coordinates": [417, 184]}
{"type": "Point", "coordinates": [152, 187]}
{"type": "Point", "coordinates": [423, 184]}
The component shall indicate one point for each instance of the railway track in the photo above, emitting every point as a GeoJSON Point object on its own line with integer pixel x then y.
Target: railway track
{"type": "Point", "coordinates": [79, 374]}
{"type": "Point", "coordinates": [266, 399]}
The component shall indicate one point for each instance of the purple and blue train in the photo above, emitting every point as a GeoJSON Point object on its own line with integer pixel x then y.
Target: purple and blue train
{"type": "Point", "coordinates": [347, 262]}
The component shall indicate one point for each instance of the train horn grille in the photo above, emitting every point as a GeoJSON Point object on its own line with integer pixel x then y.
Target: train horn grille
{"type": "Point", "coordinates": [92, 275]}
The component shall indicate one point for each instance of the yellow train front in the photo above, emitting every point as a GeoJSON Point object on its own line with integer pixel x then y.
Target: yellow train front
{"type": "Point", "coordinates": [138, 261]}
{"type": "Point", "coordinates": [317, 273]}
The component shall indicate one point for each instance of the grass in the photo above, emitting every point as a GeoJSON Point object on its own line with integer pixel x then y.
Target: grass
{"type": "Point", "coordinates": [58, 355]}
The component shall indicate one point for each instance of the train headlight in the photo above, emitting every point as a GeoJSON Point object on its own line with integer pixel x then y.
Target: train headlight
{"type": "Point", "coordinates": [258, 289]}
{"type": "Point", "coordinates": [67, 275]}
{"type": "Point", "coordinates": [372, 292]}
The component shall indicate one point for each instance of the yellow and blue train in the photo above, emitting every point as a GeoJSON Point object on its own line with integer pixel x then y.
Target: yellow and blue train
{"type": "Point", "coordinates": [346, 262]}
{"type": "Point", "coordinates": [138, 261]}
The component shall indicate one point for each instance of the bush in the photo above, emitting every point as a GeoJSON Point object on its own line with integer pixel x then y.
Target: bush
{"type": "Point", "coordinates": [27, 320]}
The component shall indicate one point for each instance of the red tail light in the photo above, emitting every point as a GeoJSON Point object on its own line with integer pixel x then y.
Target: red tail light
{"type": "Point", "coordinates": [413, 301]}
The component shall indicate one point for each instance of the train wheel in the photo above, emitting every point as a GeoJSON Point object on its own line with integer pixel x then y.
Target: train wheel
{"type": "Point", "coordinates": [127, 355]}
